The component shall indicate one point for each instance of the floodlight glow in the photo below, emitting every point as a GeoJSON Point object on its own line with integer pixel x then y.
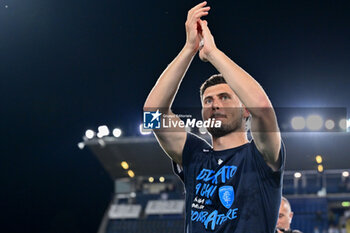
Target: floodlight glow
{"type": "Point", "coordinates": [131, 173]}
{"type": "Point", "coordinates": [345, 173]}
{"type": "Point", "coordinates": [203, 130]}
{"type": "Point", "coordinates": [298, 123]}
{"type": "Point", "coordinates": [297, 175]}
{"type": "Point", "coordinates": [343, 124]}
{"type": "Point", "coordinates": [102, 131]}
{"type": "Point", "coordinates": [124, 165]}
{"type": "Point", "coordinates": [81, 145]}
{"type": "Point", "coordinates": [151, 179]}
{"type": "Point", "coordinates": [117, 132]}
{"type": "Point", "coordinates": [345, 203]}
{"type": "Point", "coordinates": [314, 122]}
{"type": "Point", "coordinates": [144, 131]}
{"type": "Point", "coordinates": [329, 124]}
{"type": "Point", "coordinates": [320, 168]}
{"type": "Point", "coordinates": [132, 194]}
{"type": "Point", "coordinates": [161, 179]}
{"type": "Point", "coordinates": [89, 133]}
{"type": "Point", "coordinates": [101, 142]}
{"type": "Point", "coordinates": [319, 159]}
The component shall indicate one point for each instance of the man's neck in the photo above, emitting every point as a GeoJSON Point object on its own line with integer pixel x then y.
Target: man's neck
{"type": "Point", "coordinates": [230, 140]}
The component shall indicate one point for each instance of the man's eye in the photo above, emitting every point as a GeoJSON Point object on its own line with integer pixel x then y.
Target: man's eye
{"type": "Point", "coordinates": [208, 101]}
{"type": "Point", "coordinates": [225, 97]}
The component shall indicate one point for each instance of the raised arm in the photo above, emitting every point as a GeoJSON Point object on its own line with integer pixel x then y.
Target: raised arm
{"type": "Point", "coordinates": [264, 125]}
{"type": "Point", "coordinates": [163, 93]}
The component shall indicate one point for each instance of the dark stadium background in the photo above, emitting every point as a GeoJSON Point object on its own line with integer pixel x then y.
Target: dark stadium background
{"type": "Point", "coordinates": [66, 66]}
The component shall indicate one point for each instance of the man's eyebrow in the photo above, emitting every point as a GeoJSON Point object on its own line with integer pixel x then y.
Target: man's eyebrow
{"type": "Point", "coordinates": [220, 94]}
{"type": "Point", "coordinates": [207, 97]}
{"type": "Point", "coordinates": [223, 93]}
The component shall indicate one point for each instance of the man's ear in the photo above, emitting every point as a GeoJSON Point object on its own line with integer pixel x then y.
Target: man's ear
{"type": "Point", "coordinates": [291, 214]}
{"type": "Point", "coordinates": [246, 113]}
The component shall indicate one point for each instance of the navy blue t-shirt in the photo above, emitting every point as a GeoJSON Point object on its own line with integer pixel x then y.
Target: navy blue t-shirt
{"type": "Point", "coordinates": [229, 191]}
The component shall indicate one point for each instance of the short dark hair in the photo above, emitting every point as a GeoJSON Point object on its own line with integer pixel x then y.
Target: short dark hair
{"type": "Point", "coordinates": [212, 81]}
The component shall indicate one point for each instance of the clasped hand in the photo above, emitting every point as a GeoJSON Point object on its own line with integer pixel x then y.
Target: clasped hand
{"type": "Point", "coordinates": [198, 35]}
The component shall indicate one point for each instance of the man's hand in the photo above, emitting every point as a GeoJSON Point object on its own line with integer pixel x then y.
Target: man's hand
{"type": "Point", "coordinates": [208, 42]}
{"type": "Point", "coordinates": [193, 27]}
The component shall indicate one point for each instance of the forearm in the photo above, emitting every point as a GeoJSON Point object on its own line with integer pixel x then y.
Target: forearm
{"type": "Point", "coordinates": [245, 86]}
{"type": "Point", "coordinates": [164, 91]}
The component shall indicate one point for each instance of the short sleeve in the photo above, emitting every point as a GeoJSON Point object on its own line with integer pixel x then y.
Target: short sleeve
{"type": "Point", "coordinates": [193, 144]}
{"type": "Point", "coordinates": [264, 169]}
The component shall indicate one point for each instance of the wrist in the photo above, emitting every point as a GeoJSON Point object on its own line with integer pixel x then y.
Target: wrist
{"type": "Point", "coordinates": [213, 54]}
{"type": "Point", "coordinates": [187, 49]}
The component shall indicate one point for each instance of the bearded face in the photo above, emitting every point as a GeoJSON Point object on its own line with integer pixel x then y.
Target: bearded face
{"type": "Point", "coordinates": [222, 104]}
{"type": "Point", "coordinates": [231, 121]}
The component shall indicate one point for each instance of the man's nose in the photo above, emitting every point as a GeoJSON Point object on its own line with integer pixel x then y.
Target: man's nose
{"type": "Point", "coordinates": [216, 104]}
{"type": "Point", "coordinates": [278, 222]}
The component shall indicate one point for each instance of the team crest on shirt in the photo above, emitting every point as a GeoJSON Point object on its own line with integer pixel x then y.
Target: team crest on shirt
{"type": "Point", "coordinates": [227, 196]}
{"type": "Point", "coordinates": [220, 161]}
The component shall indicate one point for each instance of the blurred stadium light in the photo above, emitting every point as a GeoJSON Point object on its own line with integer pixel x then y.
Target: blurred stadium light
{"type": "Point", "coordinates": [320, 168]}
{"type": "Point", "coordinates": [343, 124]}
{"type": "Point", "coordinates": [345, 203]}
{"type": "Point", "coordinates": [131, 173]}
{"type": "Point", "coordinates": [125, 165]}
{"type": "Point", "coordinates": [102, 131]}
{"type": "Point", "coordinates": [314, 122]}
{"type": "Point", "coordinates": [117, 132]}
{"type": "Point", "coordinates": [89, 134]}
{"type": "Point", "coordinates": [298, 123]}
{"type": "Point", "coordinates": [297, 175]}
{"type": "Point", "coordinates": [319, 159]}
{"type": "Point", "coordinates": [329, 124]}
{"type": "Point", "coordinates": [81, 145]}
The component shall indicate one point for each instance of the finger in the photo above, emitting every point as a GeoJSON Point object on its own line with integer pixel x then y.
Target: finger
{"type": "Point", "coordinates": [200, 5]}
{"type": "Point", "coordinates": [202, 9]}
{"type": "Point", "coordinates": [205, 30]}
{"type": "Point", "coordinates": [205, 22]}
{"type": "Point", "coordinates": [204, 25]}
{"type": "Point", "coordinates": [205, 9]}
{"type": "Point", "coordinates": [198, 14]}
{"type": "Point", "coordinates": [195, 9]}
{"type": "Point", "coordinates": [192, 16]}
